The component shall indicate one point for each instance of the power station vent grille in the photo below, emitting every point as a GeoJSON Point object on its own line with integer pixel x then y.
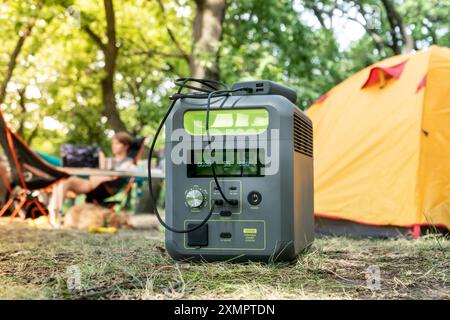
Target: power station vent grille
{"type": "Point", "coordinates": [303, 136]}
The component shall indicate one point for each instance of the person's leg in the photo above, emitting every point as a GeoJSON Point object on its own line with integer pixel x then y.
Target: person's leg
{"type": "Point", "coordinates": [77, 185]}
{"type": "Point", "coordinates": [96, 181]}
{"type": "Point", "coordinates": [73, 184]}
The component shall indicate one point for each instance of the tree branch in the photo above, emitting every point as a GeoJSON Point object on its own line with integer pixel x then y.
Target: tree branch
{"type": "Point", "coordinates": [156, 53]}
{"type": "Point", "coordinates": [318, 14]}
{"type": "Point", "coordinates": [184, 55]}
{"type": "Point", "coordinates": [86, 28]}
{"type": "Point", "coordinates": [94, 37]}
{"type": "Point", "coordinates": [23, 109]}
{"type": "Point", "coordinates": [395, 20]}
{"type": "Point", "coordinates": [376, 38]}
{"type": "Point", "coordinates": [32, 135]}
{"type": "Point", "coordinates": [24, 33]}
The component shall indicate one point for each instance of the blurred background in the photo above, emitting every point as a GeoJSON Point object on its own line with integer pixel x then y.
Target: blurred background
{"type": "Point", "coordinates": [78, 71]}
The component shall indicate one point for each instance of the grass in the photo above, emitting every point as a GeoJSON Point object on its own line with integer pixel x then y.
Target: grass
{"type": "Point", "coordinates": [36, 264]}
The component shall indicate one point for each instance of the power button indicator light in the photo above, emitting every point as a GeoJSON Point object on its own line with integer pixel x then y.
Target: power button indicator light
{"type": "Point", "coordinates": [254, 198]}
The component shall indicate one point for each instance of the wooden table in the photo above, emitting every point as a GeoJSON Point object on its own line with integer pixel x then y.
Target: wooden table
{"type": "Point", "coordinates": [156, 173]}
{"type": "Point", "coordinates": [55, 218]}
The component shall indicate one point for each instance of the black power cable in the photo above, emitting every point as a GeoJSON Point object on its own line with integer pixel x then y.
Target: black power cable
{"type": "Point", "coordinates": [210, 89]}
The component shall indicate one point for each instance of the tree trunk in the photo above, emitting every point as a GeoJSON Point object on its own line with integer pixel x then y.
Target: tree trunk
{"type": "Point", "coordinates": [23, 109]}
{"type": "Point", "coordinates": [13, 58]}
{"type": "Point", "coordinates": [207, 34]}
{"type": "Point", "coordinates": [396, 21]}
{"type": "Point", "coordinates": [110, 51]}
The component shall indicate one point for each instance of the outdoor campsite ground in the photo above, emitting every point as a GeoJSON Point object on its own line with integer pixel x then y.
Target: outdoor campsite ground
{"type": "Point", "coordinates": [37, 263]}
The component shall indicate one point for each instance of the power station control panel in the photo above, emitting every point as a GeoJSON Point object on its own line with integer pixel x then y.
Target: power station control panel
{"type": "Point", "coordinates": [234, 225]}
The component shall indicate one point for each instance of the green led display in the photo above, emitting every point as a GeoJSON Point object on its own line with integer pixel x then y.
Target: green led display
{"type": "Point", "coordinates": [227, 122]}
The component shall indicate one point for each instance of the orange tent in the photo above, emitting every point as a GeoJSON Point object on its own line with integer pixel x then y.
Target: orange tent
{"type": "Point", "coordinates": [382, 144]}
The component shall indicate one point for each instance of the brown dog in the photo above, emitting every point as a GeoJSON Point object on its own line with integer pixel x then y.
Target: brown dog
{"type": "Point", "coordinates": [87, 215]}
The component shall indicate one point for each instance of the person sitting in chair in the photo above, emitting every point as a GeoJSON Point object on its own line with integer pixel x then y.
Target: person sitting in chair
{"type": "Point", "coordinates": [121, 142]}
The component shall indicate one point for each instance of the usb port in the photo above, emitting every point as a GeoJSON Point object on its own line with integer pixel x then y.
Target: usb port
{"type": "Point", "coordinates": [260, 90]}
{"type": "Point", "coordinates": [259, 85]}
{"type": "Point", "coordinates": [233, 188]}
{"type": "Point", "coordinates": [225, 235]}
{"type": "Point", "coordinates": [225, 213]}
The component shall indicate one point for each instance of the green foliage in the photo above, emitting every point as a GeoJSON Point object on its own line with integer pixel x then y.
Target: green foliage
{"type": "Point", "coordinates": [60, 67]}
{"type": "Point", "coordinates": [428, 20]}
{"type": "Point", "coordinates": [267, 39]}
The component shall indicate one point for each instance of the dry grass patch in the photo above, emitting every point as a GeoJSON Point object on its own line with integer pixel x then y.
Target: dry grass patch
{"type": "Point", "coordinates": [134, 265]}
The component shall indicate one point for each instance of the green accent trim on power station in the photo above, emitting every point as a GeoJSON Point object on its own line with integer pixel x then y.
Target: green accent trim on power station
{"type": "Point", "coordinates": [227, 122]}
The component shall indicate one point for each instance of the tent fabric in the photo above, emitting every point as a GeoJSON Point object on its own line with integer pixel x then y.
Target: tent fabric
{"type": "Point", "coordinates": [380, 74]}
{"type": "Point", "coordinates": [382, 153]}
{"type": "Point", "coordinates": [422, 83]}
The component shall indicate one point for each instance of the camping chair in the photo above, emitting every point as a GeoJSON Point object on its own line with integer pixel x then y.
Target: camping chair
{"type": "Point", "coordinates": [110, 188]}
{"type": "Point", "coordinates": [28, 175]}
{"type": "Point", "coordinates": [5, 187]}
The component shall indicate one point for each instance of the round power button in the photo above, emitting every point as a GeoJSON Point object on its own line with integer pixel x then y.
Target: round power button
{"type": "Point", "coordinates": [194, 198]}
{"type": "Point", "coordinates": [254, 198]}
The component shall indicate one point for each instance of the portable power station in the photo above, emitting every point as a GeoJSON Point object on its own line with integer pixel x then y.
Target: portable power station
{"type": "Point", "coordinates": [239, 175]}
